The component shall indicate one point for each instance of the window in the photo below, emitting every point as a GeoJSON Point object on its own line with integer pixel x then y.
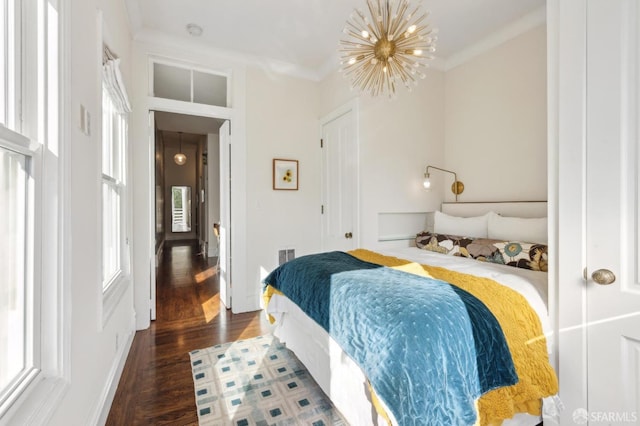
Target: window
{"type": "Point", "coordinates": [31, 164]}
{"type": "Point", "coordinates": [14, 305]}
{"type": "Point", "coordinates": [115, 106]}
{"type": "Point", "coordinates": [189, 85]}
{"type": "Point", "coordinates": [180, 209]}
{"type": "Point", "coordinates": [113, 143]}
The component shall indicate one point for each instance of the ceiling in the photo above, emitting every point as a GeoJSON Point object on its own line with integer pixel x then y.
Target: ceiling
{"type": "Point", "coordinates": [305, 33]}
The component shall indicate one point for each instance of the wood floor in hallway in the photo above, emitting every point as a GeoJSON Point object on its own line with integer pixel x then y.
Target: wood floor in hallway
{"type": "Point", "coordinates": [156, 387]}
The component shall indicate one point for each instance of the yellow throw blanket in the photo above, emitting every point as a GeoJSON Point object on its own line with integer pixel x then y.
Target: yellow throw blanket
{"type": "Point", "coordinates": [522, 330]}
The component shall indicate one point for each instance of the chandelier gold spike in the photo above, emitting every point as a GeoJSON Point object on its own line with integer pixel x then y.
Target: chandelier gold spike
{"type": "Point", "coordinates": [387, 47]}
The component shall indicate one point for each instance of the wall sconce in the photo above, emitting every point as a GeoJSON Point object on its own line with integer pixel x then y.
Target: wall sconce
{"type": "Point", "coordinates": [457, 187]}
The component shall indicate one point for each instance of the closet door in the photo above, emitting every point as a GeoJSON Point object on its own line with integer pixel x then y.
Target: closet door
{"type": "Point", "coordinates": [339, 209]}
{"type": "Point", "coordinates": [612, 217]}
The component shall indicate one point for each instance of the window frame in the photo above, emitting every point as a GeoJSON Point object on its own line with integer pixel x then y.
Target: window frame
{"type": "Point", "coordinates": [191, 68]}
{"type": "Point", "coordinates": [113, 288]}
{"type": "Point", "coordinates": [34, 124]}
{"type": "Point", "coordinates": [19, 144]}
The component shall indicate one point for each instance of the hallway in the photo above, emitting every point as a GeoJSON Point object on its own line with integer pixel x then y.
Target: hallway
{"type": "Point", "coordinates": [156, 387]}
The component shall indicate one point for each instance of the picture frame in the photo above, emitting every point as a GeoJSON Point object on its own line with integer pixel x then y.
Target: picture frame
{"type": "Point", "coordinates": [285, 174]}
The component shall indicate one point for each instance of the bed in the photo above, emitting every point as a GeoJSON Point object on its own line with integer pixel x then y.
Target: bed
{"type": "Point", "coordinates": [358, 348]}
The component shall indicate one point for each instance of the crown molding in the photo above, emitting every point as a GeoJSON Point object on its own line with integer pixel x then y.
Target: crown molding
{"type": "Point", "coordinates": [520, 26]}
{"type": "Point", "coordinates": [199, 47]}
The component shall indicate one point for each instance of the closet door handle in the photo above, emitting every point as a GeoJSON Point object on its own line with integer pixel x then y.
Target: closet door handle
{"type": "Point", "coordinates": [348, 235]}
{"type": "Point", "coordinates": [603, 277]}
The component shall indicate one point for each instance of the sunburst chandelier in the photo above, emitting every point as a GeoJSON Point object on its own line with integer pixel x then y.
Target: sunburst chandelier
{"type": "Point", "coordinates": [389, 47]}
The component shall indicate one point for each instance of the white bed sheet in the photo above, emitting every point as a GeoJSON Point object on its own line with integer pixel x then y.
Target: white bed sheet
{"type": "Point", "coordinates": [340, 377]}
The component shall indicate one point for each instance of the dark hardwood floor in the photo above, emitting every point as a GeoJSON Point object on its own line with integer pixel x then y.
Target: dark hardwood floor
{"type": "Point", "coordinates": [156, 387]}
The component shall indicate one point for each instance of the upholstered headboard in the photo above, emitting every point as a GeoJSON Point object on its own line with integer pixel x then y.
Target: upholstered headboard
{"type": "Point", "coordinates": [403, 226]}
{"type": "Point", "coordinates": [504, 208]}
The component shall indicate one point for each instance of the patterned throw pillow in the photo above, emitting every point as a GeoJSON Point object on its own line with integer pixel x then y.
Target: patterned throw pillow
{"type": "Point", "coordinates": [524, 255]}
{"type": "Point", "coordinates": [512, 253]}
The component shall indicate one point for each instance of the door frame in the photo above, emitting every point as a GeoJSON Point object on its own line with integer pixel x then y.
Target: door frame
{"type": "Point", "coordinates": [352, 106]}
{"type": "Point", "coordinates": [177, 107]}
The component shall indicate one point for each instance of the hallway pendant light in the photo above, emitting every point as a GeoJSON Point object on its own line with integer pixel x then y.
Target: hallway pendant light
{"type": "Point", "coordinates": [180, 158]}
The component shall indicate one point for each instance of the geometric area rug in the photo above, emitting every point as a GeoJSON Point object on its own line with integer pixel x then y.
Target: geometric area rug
{"type": "Point", "coordinates": [259, 382]}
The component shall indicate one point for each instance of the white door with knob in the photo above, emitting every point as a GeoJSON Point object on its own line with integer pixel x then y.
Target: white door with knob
{"type": "Point", "coordinates": [599, 220]}
{"type": "Point", "coordinates": [339, 204]}
{"type": "Point", "coordinates": [612, 237]}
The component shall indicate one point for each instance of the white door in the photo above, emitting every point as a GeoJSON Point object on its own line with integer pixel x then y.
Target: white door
{"type": "Point", "coordinates": [155, 225]}
{"type": "Point", "coordinates": [224, 275]}
{"type": "Point", "coordinates": [339, 181]}
{"type": "Point", "coordinates": [612, 219]}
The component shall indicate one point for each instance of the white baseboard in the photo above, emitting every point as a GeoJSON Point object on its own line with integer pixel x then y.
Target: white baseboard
{"type": "Point", "coordinates": [109, 391]}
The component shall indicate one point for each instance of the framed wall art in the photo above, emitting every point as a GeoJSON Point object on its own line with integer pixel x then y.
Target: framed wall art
{"type": "Point", "coordinates": [285, 174]}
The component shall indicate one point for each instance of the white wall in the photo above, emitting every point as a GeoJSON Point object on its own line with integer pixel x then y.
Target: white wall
{"type": "Point", "coordinates": [282, 122]}
{"type": "Point", "coordinates": [94, 356]}
{"type": "Point", "coordinates": [495, 122]}
{"type": "Point", "coordinates": [398, 137]}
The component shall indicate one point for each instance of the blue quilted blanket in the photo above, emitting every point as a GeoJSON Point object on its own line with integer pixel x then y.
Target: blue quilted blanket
{"type": "Point", "coordinates": [429, 349]}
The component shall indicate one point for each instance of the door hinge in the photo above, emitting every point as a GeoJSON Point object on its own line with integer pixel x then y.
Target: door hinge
{"type": "Point", "coordinates": [322, 209]}
{"type": "Point", "coordinates": [321, 143]}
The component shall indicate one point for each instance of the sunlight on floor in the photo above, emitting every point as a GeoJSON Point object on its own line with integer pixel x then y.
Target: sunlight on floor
{"type": "Point", "coordinates": [255, 322]}
{"type": "Point", "coordinates": [211, 308]}
{"type": "Point", "coordinates": [206, 274]}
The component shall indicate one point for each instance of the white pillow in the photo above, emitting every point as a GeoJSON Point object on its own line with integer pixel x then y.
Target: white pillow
{"type": "Point", "coordinates": [530, 230]}
{"type": "Point", "coordinates": [461, 226]}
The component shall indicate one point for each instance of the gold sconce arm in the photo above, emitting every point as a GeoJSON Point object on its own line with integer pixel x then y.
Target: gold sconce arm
{"type": "Point", "coordinates": [457, 187]}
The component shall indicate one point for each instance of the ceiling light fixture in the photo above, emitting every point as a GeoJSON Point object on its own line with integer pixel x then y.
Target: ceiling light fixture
{"type": "Point", "coordinates": [180, 158]}
{"type": "Point", "coordinates": [386, 48]}
{"type": "Point", "coordinates": [194, 30]}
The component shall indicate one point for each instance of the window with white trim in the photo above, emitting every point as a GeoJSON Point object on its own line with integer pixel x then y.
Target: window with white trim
{"type": "Point", "coordinates": [16, 251]}
{"type": "Point", "coordinates": [113, 142]}
{"type": "Point", "coordinates": [31, 162]}
{"type": "Point", "coordinates": [115, 107]}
